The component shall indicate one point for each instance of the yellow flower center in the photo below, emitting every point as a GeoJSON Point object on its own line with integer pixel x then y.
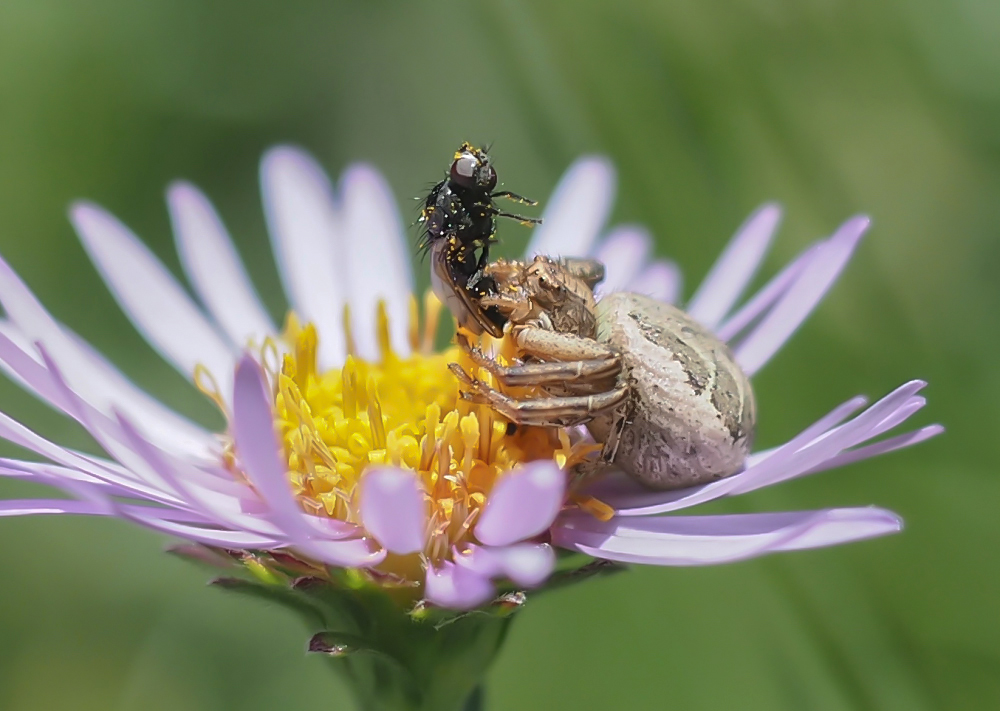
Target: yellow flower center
{"type": "Point", "coordinates": [405, 412]}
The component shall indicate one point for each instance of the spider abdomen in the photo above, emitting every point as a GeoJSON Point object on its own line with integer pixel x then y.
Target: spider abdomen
{"type": "Point", "coordinates": [691, 415]}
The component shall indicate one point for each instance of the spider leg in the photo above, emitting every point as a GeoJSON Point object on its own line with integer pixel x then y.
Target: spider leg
{"type": "Point", "coordinates": [540, 412]}
{"type": "Point", "coordinates": [562, 373]}
{"type": "Point", "coordinates": [552, 345]}
{"type": "Point", "coordinates": [550, 411]}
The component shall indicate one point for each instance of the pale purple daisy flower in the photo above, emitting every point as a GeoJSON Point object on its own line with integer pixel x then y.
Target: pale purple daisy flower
{"type": "Point", "coordinates": [346, 446]}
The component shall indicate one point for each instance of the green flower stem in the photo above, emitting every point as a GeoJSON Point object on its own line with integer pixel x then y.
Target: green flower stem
{"type": "Point", "coordinates": [476, 700]}
{"type": "Point", "coordinates": [425, 668]}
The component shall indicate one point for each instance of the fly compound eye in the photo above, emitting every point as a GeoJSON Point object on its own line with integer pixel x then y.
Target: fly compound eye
{"type": "Point", "coordinates": [463, 170]}
{"type": "Point", "coordinates": [491, 179]}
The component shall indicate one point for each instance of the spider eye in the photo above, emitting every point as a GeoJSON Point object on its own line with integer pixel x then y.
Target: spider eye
{"type": "Point", "coordinates": [463, 170]}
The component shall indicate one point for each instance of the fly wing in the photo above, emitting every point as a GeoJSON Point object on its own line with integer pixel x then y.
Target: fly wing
{"type": "Point", "coordinates": [452, 290]}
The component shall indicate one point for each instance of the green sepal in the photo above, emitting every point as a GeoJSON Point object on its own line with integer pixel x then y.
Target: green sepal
{"type": "Point", "coordinates": [279, 594]}
{"type": "Point", "coordinates": [589, 569]}
{"type": "Point", "coordinates": [204, 556]}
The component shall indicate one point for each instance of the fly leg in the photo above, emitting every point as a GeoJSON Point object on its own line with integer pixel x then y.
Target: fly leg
{"type": "Point", "coordinates": [520, 218]}
{"type": "Point", "coordinates": [515, 197]}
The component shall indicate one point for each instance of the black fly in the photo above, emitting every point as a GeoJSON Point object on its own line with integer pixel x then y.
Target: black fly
{"type": "Point", "coordinates": [458, 219]}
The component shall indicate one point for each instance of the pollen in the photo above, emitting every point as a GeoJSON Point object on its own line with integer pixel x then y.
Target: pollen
{"type": "Point", "coordinates": [404, 411]}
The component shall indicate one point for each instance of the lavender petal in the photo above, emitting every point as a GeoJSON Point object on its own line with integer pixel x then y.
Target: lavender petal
{"type": "Point", "coordinates": [801, 298]}
{"type": "Point", "coordinates": [208, 536]}
{"type": "Point", "coordinates": [55, 475]}
{"type": "Point", "coordinates": [394, 509]}
{"type": "Point", "coordinates": [632, 499]}
{"type": "Point", "coordinates": [222, 509]}
{"type": "Point", "coordinates": [46, 380]}
{"type": "Point", "coordinates": [527, 564]}
{"type": "Point", "coordinates": [873, 450]}
{"type": "Point", "coordinates": [708, 540]}
{"type": "Point", "coordinates": [764, 299]}
{"type": "Point", "coordinates": [801, 455]}
{"type": "Point", "coordinates": [214, 267]}
{"type": "Point", "coordinates": [257, 444]}
{"type": "Point", "coordinates": [661, 280]}
{"type": "Point", "coordinates": [22, 367]}
{"type": "Point", "coordinates": [523, 503]}
{"type": "Point", "coordinates": [14, 431]}
{"type": "Point", "coordinates": [624, 252]}
{"type": "Point", "coordinates": [107, 434]}
{"type": "Point", "coordinates": [851, 433]}
{"type": "Point", "coordinates": [94, 378]}
{"type": "Point", "coordinates": [377, 260]}
{"type": "Point", "coordinates": [149, 295]}
{"type": "Point", "coordinates": [96, 507]}
{"type": "Point", "coordinates": [576, 211]}
{"type": "Point", "coordinates": [167, 427]}
{"type": "Point", "coordinates": [307, 242]}
{"type": "Point", "coordinates": [37, 507]}
{"type": "Point", "coordinates": [455, 587]}
{"type": "Point", "coordinates": [734, 269]}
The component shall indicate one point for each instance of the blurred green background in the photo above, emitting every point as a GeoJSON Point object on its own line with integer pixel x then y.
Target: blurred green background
{"type": "Point", "coordinates": [708, 108]}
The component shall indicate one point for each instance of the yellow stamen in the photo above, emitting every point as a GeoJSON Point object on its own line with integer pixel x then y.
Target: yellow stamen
{"type": "Point", "coordinates": [349, 385]}
{"type": "Point", "coordinates": [209, 386]}
{"type": "Point", "coordinates": [270, 356]}
{"type": "Point", "coordinates": [382, 329]}
{"type": "Point", "coordinates": [413, 332]}
{"type": "Point", "coordinates": [352, 347]}
{"type": "Point", "coordinates": [595, 507]}
{"type": "Point", "coordinates": [305, 356]}
{"type": "Point", "coordinates": [375, 423]}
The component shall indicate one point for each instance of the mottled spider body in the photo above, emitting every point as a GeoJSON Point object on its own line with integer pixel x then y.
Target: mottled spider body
{"type": "Point", "coordinates": [663, 394]}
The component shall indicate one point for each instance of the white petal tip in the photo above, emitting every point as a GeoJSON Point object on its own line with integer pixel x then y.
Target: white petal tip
{"type": "Point", "coordinates": [860, 224]}
{"type": "Point", "coordinates": [881, 522]}
{"type": "Point", "coordinates": [85, 215]}
{"type": "Point", "coordinates": [770, 213]}
{"type": "Point", "coordinates": [181, 191]}
{"type": "Point", "coordinates": [362, 172]}
{"type": "Point", "coordinates": [287, 156]}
